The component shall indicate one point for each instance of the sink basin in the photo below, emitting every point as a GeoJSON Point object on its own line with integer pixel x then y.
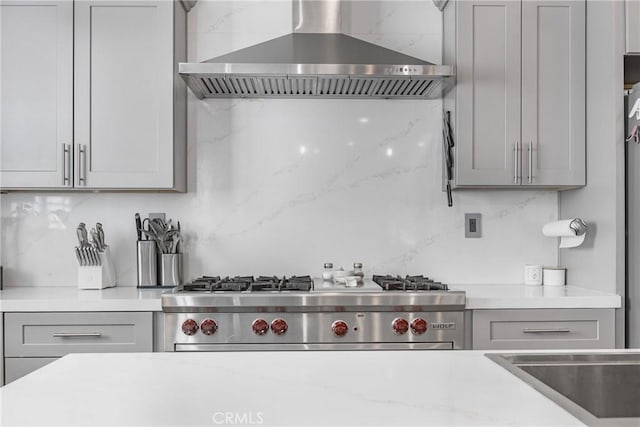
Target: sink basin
{"type": "Point", "coordinates": [597, 388]}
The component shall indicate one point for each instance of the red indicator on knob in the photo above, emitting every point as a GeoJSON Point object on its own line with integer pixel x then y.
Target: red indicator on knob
{"type": "Point", "coordinates": [340, 328]}
{"type": "Point", "coordinates": [279, 326]}
{"type": "Point", "coordinates": [260, 326]}
{"type": "Point", "coordinates": [208, 326]}
{"type": "Point", "coordinates": [400, 326]}
{"type": "Point", "coordinates": [419, 326]}
{"type": "Point", "coordinates": [189, 327]}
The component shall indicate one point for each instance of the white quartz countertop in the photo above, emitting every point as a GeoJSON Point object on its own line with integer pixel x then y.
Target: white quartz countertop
{"type": "Point", "coordinates": [67, 298]}
{"type": "Point", "coordinates": [337, 388]}
{"type": "Point", "coordinates": [522, 296]}
{"type": "Point", "coordinates": [129, 298]}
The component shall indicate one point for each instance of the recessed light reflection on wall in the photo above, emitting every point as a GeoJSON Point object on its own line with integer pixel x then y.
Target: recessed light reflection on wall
{"type": "Point", "coordinates": [303, 150]}
{"type": "Point", "coordinates": [421, 144]}
{"type": "Point", "coordinates": [363, 119]}
{"type": "Point", "coordinates": [351, 143]}
{"type": "Point", "coordinates": [389, 152]}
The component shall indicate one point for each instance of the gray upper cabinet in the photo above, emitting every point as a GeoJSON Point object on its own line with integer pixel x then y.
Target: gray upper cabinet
{"type": "Point", "coordinates": [519, 103]}
{"type": "Point", "coordinates": [488, 92]}
{"type": "Point", "coordinates": [36, 93]}
{"type": "Point", "coordinates": [632, 14]}
{"type": "Point", "coordinates": [129, 116]}
{"type": "Point", "coordinates": [553, 93]}
{"type": "Point", "coordinates": [108, 110]}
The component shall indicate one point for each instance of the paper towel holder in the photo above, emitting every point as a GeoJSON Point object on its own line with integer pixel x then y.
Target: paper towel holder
{"type": "Point", "coordinates": [571, 232]}
{"type": "Point", "coordinates": [579, 226]}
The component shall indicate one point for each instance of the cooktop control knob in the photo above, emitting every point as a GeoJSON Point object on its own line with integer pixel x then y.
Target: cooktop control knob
{"type": "Point", "coordinates": [419, 326]}
{"type": "Point", "coordinates": [400, 326]}
{"type": "Point", "coordinates": [279, 326]}
{"type": "Point", "coordinates": [260, 326]}
{"type": "Point", "coordinates": [189, 327]}
{"type": "Point", "coordinates": [208, 326]}
{"type": "Point", "coordinates": [340, 328]}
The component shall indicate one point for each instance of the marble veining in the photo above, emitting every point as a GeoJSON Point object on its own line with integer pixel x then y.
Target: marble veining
{"type": "Point", "coordinates": [282, 186]}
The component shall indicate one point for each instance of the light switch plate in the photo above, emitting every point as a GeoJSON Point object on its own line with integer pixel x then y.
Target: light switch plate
{"type": "Point", "coordinates": [472, 225]}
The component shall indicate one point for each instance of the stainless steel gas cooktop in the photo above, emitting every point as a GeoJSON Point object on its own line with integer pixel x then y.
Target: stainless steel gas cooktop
{"type": "Point", "coordinates": [214, 313]}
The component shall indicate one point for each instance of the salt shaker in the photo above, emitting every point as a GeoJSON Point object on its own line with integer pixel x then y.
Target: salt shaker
{"type": "Point", "coordinates": [327, 274]}
{"type": "Point", "coordinates": [357, 271]}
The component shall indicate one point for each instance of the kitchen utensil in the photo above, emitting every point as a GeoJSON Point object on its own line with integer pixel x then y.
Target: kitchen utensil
{"type": "Point", "coordinates": [79, 256]}
{"type": "Point", "coordinates": [100, 231]}
{"type": "Point", "coordinates": [95, 240]}
{"type": "Point", "coordinates": [145, 226]}
{"type": "Point", "coordinates": [138, 226]}
{"type": "Point", "coordinates": [83, 233]}
{"type": "Point", "coordinates": [166, 236]}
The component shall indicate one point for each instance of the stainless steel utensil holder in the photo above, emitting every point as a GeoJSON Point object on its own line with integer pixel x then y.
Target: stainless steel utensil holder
{"type": "Point", "coordinates": [99, 276]}
{"type": "Point", "coordinates": [147, 263]}
{"type": "Point", "coordinates": [170, 269]}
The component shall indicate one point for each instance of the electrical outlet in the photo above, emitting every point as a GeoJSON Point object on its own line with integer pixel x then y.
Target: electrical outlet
{"type": "Point", "coordinates": [472, 225]}
{"type": "Point", "coordinates": [160, 215]}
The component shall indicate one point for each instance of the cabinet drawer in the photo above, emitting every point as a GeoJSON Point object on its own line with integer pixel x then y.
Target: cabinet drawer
{"type": "Point", "coordinates": [17, 367]}
{"type": "Point", "coordinates": [57, 334]}
{"type": "Point", "coordinates": [543, 329]}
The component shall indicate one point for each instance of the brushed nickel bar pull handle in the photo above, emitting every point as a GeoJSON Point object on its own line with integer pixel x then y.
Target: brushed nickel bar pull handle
{"type": "Point", "coordinates": [76, 334]}
{"type": "Point", "coordinates": [65, 178]}
{"type": "Point", "coordinates": [530, 178]}
{"type": "Point", "coordinates": [516, 151]}
{"type": "Point", "coordinates": [82, 164]}
{"type": "Point", "coordinates": [67, 164]}
{"type": "Point", "coordinates": [544, 331]}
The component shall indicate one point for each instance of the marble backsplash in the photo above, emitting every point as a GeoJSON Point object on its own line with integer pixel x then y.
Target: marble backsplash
{"type": "Point", "coordinates": [282, 186]}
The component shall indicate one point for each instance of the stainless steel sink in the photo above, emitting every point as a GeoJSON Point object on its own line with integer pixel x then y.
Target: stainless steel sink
{"type": "Point", "coordinates": [597, 388]}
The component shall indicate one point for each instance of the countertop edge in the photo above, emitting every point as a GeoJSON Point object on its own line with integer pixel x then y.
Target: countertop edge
{"type": "Point", "coordinates": [479, 297]}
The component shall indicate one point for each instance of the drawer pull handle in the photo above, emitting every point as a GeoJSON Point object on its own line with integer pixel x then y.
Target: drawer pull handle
{"type": "Point", "coordinates": [544, 331]}
{"type": "Point", "coordinates": [76, 335]}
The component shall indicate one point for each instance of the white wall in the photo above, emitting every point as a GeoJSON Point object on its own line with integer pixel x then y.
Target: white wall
{"type": "Point", "coordinates": [599, 262]}
{"type": "Point", "coordinates": [282, 186]}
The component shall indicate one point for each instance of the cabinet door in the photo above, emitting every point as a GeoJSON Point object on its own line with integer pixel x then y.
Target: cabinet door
{"type": "Point", "coordinates": [36, 93]}
{"type": "Point", "coordinates": [18, 367]}
{"type": "Point", "coordinates": [632, 13]}
{"type": "Point", "coordinates": [553, 92]}
{"type": "Point", "coordinates": [488, 93]}
{"type": "Point", "coordinates": [124, 74]}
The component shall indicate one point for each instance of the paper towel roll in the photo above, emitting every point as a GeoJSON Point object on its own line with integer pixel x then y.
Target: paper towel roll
{"type": "Point", "coordinates": [562, 229]}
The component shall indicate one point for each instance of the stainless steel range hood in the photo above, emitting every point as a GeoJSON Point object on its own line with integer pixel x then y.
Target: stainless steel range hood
{"type": "Point", "coordinates": [317, 61]}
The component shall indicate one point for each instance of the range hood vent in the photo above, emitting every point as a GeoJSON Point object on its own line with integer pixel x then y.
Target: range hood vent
{"type": "Point", "coordinates": [317, 61]}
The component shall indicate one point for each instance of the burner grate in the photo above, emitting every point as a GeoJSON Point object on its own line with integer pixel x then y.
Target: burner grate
{"type": "Point", "coordinates": [248, 283]}
{"type": "Point", "coordinates": [409, 283]}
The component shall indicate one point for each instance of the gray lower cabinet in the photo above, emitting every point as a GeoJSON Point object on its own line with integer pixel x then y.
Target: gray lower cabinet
{"type": "Point", "coordinates": [17, 367]}
{"type": "Point", "coordinates": [518, 107]}
{"type": "Point", "coordinates": [540, 329]}
{"type": "Point", "coordinates": [32, 340]}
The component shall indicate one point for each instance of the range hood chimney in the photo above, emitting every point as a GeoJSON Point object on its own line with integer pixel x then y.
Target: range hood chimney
{"type": "Point", "coordinates": [317, 61]}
